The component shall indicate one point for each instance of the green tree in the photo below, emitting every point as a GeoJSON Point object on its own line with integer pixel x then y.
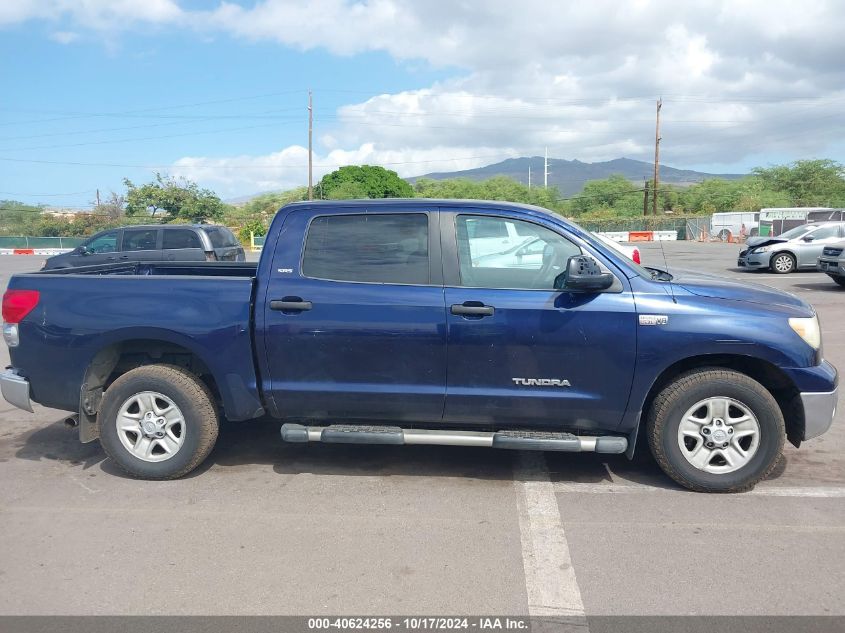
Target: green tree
{"type": "Point", "coordinates": [616, 193]}
{"type": "Point", "coordinates": [818, 182]}
{"type": "Point", "coordinates": [174, 199]}
{"type": "Point", "coordinates": [362, 181]}
{"type": "Point", "coordinates": [113, 207]}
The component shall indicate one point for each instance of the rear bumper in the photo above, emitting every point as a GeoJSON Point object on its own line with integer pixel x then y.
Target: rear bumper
{"type": "Point", "coordinates": [15, 389]}
{"type": "Point", "coordinates": [819, 411]}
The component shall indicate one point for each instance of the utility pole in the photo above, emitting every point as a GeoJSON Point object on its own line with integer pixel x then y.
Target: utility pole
{"type": "Point", "coordinates": [546, 170]}
{"type": "Point", "coordinates": [529, 176]}
{"type": "Point", "coordinates": [645, 198]}
{"type": "Point", "coordinates": [310, 147]}
{"type": "Point", "coordinates": [98, 197]}
{"type": "Point", "coordinates": [656, 158]}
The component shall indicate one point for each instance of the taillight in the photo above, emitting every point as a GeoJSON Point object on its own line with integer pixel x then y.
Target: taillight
{"type": "Point", "coordinates": [18, 303]}
{"type": "Point", "coordinates": [636, 256]}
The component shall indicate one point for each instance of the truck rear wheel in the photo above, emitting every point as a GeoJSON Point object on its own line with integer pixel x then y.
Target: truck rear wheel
{"type": "Point", "coordinates": [715, 430]}
{"type": "Point", "coordinates": [158, 422]}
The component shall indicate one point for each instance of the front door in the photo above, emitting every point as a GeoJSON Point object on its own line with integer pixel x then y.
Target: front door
{"type": "Point", "coordinates": [354, 319]}
{"type": "Point", "coordinates": [101, 249]}
{"type": "Point", "coordinates": [520, 352]}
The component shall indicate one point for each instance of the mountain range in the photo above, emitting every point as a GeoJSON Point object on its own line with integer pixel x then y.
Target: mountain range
{"type": "Point", "coordinates": [570, 176]}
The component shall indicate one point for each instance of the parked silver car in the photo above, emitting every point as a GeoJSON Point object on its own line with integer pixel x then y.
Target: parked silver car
{"type": "Point", "coordinates": [832, 262]}
{"type": "Point", "coordinates": [798, 248]}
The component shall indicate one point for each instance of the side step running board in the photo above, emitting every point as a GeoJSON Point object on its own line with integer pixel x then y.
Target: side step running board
{"type": "Point", "coordinates": [518, 440]}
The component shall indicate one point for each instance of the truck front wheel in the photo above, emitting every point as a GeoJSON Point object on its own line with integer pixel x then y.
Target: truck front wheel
{"type": "Point", "coordinates": [158, 422]}
{"type": "Point", "coordinates": [715, 430]}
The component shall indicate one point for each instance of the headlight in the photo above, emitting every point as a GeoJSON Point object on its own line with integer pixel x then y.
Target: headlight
{"type": "Point", "coordinates": [761, 249]}
{"type": "Point", "coordinates": [808, 329]}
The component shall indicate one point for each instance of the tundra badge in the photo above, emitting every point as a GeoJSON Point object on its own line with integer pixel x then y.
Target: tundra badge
{"type": "Point", "coordinates": [653, 319]}
{"type": "Point", "coordinates": [541, 382]}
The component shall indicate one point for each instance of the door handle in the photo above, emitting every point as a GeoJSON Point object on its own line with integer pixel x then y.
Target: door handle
{"type": "Point", "coordinates": [463, 309]}
{"type": "Point", "coordinates": [124, 257]}
{"type": "Point", "coordinates": [290, 304]}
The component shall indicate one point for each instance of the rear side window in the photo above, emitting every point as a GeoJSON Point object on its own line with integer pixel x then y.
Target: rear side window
{"type": "Point", "coordinates": [382, 248]}
{"type": "Point", "coordinates": [220, 236]}
{"type": "Point", "coordinates": [139, 239]}
{"type": "Point", "coordinates": [180, 238]}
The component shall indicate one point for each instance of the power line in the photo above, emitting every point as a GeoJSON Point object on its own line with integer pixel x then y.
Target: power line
{"type": "Point", "coordinates": [84, 115]}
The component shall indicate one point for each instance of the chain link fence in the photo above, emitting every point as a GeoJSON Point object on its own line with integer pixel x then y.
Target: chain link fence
{"type": "Point", "coordinates": [24, 241]}
{"type": "Point", "coordinates": [686, 228]}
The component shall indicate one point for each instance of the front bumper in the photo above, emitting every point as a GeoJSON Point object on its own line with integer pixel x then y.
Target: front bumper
{"type": "Point", "coordinates": [819, 411]}
{"type": "Point", "coordinates": [747, 259]}
{"type": "Point", "coordinates": [831, 267]}
{"type": "Point", "coordinates": [15, 389]}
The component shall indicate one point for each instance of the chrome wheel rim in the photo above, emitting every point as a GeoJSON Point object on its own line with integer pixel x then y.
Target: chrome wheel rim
{"type": "Point", "coordinates": [783, 263]}
{"type": "Point", "coordinates": [719, 435]}
{"type": "Point", "coordinates": [150, 426]}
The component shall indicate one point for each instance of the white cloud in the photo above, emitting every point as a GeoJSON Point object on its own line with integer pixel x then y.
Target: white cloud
{"type": "Point", "coordinates": [64, 37]}
{"type": "Point", "coordinates": [288, 168]}
{"type": "Point", "coordinates": [750, 78]}
{"type": "Point", "coordinates": [91, 14]}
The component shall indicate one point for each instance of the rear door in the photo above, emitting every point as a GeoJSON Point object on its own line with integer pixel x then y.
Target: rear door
{"type": "Point", "coordinates": [521, 353]}
{"type": "Point", "coordinates": [809, 250]}
{"type": "Point", "coordinates": [355, 326]}
{"type": "Point", "coordinates": [182, 245]}
{"type": "Point", "coordinates": [141, 245]}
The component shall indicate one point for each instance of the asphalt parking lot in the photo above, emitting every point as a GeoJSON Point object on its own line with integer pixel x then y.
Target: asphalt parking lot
{"type": "Point", "coordinates": [269, 528]}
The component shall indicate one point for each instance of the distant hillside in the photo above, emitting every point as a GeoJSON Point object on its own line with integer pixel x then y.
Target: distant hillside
{"type": "Point", "coordinates": [570, 175]}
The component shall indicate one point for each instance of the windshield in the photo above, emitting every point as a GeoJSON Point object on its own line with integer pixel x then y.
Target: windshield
{"type": "Point", "coordinates": [798, 231]}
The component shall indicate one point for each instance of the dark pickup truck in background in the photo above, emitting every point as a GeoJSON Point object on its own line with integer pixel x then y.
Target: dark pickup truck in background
{"type": "Point", "coordinates": [388, 322]}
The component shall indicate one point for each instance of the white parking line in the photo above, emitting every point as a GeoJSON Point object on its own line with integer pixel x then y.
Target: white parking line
{"type": "Point", "coordinates": [549, 576]}
{"type": "Point", "coordinates": [818, 492]}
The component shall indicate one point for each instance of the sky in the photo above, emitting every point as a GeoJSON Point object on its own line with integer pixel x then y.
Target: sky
{"type": "Point", "coordinates": [95, 91]}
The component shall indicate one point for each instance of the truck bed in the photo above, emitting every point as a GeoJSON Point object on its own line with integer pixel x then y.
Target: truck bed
{"type": "Point", "coordinates": [204, 308]}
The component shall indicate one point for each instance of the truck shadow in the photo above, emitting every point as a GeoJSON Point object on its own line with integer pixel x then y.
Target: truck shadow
{"type": "Point", "coordinates": [243, 445]}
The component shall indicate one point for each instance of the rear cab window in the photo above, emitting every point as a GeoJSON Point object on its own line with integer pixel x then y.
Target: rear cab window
{"type": "Point", "coordinates": [382, 248]}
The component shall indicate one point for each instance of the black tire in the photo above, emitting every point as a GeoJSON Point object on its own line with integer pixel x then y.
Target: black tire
{"type": "Point", "coordinates": [188, 393]}
{"type": "Point", "coordinates": [684, 392]}
{"type": "Point", "coordinates": [839, 280]}
{"type": "Point", "coordinates": [788, 260]}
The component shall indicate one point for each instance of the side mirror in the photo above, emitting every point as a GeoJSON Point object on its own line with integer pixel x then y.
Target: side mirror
{"type": "Point", "coordinates": [808, 238]}
{"type": "Point", "coordinates": [583, 274]}
{"type": "Point", "coordinates": [83, 250]}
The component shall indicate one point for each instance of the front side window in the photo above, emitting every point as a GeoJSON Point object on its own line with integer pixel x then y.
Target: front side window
{"type": "Point", "coordinates": [374, 248]}
{"type": "Point", "coordinates": [139, 239]}
{"type": "Point", "coordinates": [105, 243]}
{"type": "Point", "coordinates": [531, 258]}
{"type": "Point", "coordinates": [826, 232]}
{"type": "Point", "coordinates": [180, 238]}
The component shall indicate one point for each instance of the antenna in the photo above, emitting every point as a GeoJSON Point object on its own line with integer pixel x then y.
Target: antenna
{"type": "Point", "coordinates": [666, 265]}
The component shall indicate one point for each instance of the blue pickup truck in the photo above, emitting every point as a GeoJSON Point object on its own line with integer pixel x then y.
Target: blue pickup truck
{"type": "Point", "coordinates": [389, 322]}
